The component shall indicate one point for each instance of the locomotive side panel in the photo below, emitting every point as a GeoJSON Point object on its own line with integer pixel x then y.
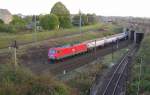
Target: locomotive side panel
{"type": "Point", "coordinates": [63, 52]}
{"type": "Point", "coordinates": [80, 48]}
{"type": "Point", "coordinates": [69, 51]}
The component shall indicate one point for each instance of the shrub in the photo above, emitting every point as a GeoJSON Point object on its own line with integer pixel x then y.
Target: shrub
{"type": "Point", "coordinates": [145, 78]}
{"type": "Point", "coordinates": [1, 21]}
{"type": "Point", "coordinates": [7, 28]}
{"type": "Point", "coordinates": [20, 81]}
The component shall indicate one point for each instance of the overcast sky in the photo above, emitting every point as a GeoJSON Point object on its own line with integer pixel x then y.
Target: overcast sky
{"type": "Point", "coordinates": [137, 8]}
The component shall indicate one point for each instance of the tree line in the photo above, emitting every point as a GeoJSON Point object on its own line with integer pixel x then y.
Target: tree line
{"type": "Point", "coordinates": [59, 17]}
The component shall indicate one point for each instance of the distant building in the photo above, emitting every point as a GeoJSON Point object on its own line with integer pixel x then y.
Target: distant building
{"type": "Point", "coordinates": [21, 15]}
{"type": "Point", "coordinates": [6, 16]}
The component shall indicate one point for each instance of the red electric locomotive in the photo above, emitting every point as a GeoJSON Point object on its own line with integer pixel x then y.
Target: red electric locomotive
{"type": "Point", "coordinates": [65, 51]}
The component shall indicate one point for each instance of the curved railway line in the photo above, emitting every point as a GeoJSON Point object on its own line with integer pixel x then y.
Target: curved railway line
{"type": "Point", "coordinates": [115, 81]}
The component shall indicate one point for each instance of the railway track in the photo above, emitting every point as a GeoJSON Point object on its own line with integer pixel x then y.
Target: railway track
{"type": "Point", "coordinates": [115, 81]}
{"type": "Point", "coordinates": [73, 62]}
{"type": "Point", "coordinates": [37, 48]}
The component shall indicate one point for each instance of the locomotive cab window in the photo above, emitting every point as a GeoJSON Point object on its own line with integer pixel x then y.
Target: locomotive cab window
{"type": "Point", "coordinates": [52, 51]}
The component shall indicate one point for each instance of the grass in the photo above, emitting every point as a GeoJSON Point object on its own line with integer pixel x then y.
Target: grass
{"type": "Point", "coordinates": [87, 36]}
{"type": "Point", "coordinates": [20, 81]}
{"type": "Point", "coordinates": [84, 79]}
{"type": "Point", "coordinates": [109, 60]}
{"type": "Point", "coordinates": [7, 38]}
{"type": "Point", "coordinates": [145, 77]}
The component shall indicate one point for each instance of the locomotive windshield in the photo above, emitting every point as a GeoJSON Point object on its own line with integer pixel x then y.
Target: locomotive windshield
{"type": "Point", "coordinates": [52, 51]}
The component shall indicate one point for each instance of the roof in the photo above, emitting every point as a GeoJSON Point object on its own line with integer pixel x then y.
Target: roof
{"type": "Point", "coordinates": [5, 15]}
{"type": "Point", "coordinates": [4, 12]}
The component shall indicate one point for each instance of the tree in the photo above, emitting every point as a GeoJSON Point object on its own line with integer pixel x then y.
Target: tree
{"type": "Point", "coordinates": [49, 21]}
{"type": "Point", "coordinates": [18, 22]}
{"type": "Point", "coordinates": [91, 18]}
{"type": "Point", "coordinates": [76, 20]}
{"type": "Point", "coordinates": [5, 27]}
{"type": "Point", "coordinates": [85, 19]}
{"type": "Point", "coordinates": [63, 14]}
{"type": "Point", "coordinates": [65, 22]}
{"type": "Point", "coordinates": [1, 21]}
{"type": "Point", "coordinates": [28, 19]}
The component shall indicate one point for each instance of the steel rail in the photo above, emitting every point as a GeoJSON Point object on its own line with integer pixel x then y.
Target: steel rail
{"type": "Point", "coordinates": [117, 83]}
{"type": "Point", "coordinates": [115, 72]}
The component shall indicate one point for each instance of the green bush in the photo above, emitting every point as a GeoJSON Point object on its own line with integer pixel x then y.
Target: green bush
{"type": "Point", "coordinates": [7, 28]}
{"type": "Point", "coordinates": [20, 81]}
{"type": "Point", "coordinates": [60, 89]}
{"type": "Point", "coordinates": [17, 24]}
{"type": "Point", "coordinates": [145, 78]}
{"type": "Point", "coordinates": [1, 21]}
{"type": "Point", "coordinates": [49, 22]}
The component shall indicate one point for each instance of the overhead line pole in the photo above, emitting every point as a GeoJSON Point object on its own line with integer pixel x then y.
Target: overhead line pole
{"type": "Point", "coordinates": [140, 73]}
{"type": "Point", "coordinates": [15, 46]}
{"type": "Point", "coordinates": [15, 56]}
{"type": "Point", "coordinates": [95, 47]}
{"type": "Point", "coordinates": [80, 22]}
{"type": "Point", "coordinates": [112, 51]}
{"type": "Point", "coordinates": [35, 29]}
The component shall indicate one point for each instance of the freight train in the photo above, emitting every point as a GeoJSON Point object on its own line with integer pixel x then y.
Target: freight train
{"type": "Point", "coordinates": [57, 53]}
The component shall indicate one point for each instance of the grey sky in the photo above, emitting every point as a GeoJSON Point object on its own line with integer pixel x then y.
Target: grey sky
{"type": "Point", "coordinates": [100, 7]}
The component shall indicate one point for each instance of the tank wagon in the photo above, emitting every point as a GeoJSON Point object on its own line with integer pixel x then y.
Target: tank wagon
{"type": "Point", "coordinates": [57, 53]}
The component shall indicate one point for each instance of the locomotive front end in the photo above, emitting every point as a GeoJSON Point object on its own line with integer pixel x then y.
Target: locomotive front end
{"type": "Point", "coordinates": [52, 54]}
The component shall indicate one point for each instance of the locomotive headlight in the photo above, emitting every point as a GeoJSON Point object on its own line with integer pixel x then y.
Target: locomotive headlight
{"type": "Point", "coordinates": [52, 56]}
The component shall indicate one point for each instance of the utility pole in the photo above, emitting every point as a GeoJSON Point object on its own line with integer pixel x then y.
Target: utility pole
{"type": "Point", "coordinates": [15, 46]}
{"type": "Point", "coordinates": [95, 48]}
{"type": "Point", "coordinates": [117, 43]}
{"type": "Point", "coordinates": [80, 22]}
{"type": "Point", "coordinates": [15, 54]}
{"type": "Point", "coordinates": [112, 51]}
{"type": "Point", "coordinates": [140, 73]}
{"type": "Point", "coordinates": [35, 28]}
